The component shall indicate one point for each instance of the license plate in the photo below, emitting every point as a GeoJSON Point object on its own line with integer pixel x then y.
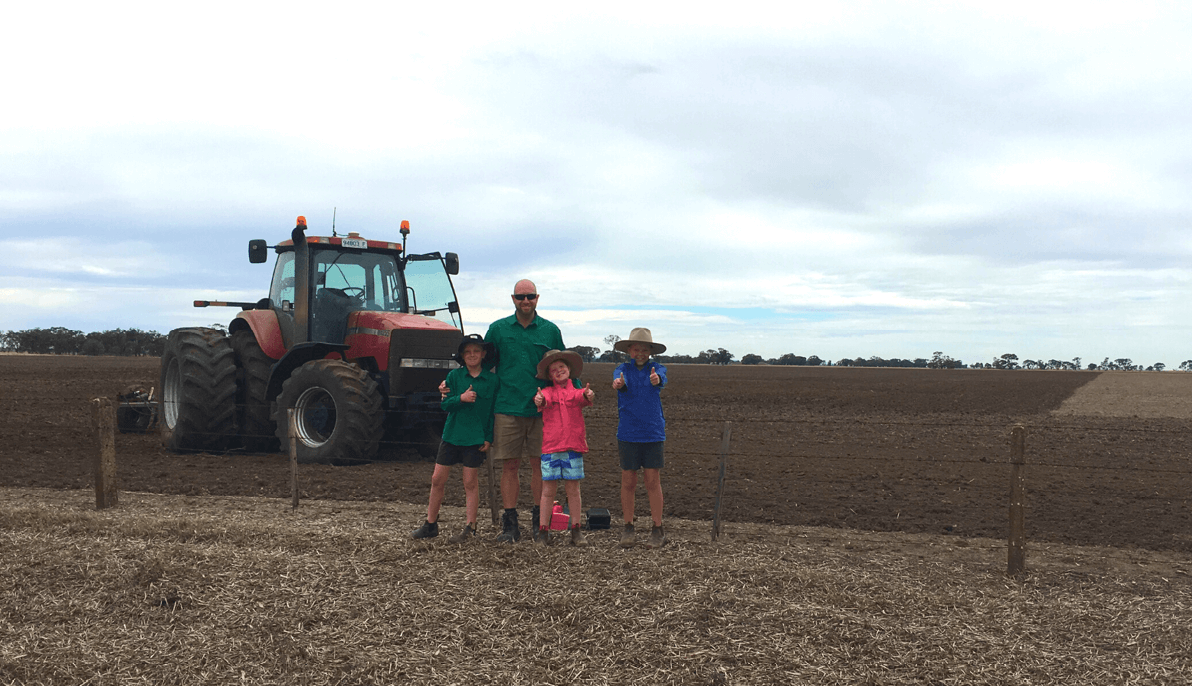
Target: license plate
{"type": "Point", "coordinates": [359, 243]}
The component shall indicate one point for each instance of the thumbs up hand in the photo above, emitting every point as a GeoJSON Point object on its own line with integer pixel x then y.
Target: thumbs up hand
{"type": "Point", "coordinates": [588, 392]}
{"type": "Point", "coordinates": [654, 378]}
{"type": "Point", "coordinates": [444, 389]}
{"type": "Point", "coordinates": [468, 396]}
{"type": "Point", "coordinates": [619, 381]}
{"type": "Point", "coordinates": [539, 401]}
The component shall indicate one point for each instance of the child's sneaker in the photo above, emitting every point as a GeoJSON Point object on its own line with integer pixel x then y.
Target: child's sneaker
{"type": "Point", "coordinates": [578, 539]}
{"type": "Point", "coordinates": [427, 530]}
{"type": "Point", "coordinates": [657, 538]}
{"type": "Point", "coordinates": [466, 535]}
{"type": "Point", "coordinates": [628, 540]}
{"type": "Point", "coordinates": [542, 536]}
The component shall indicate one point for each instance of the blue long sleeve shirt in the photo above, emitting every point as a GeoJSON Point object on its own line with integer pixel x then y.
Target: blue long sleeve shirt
{"type": "Point", "coordinates": [639, 404]}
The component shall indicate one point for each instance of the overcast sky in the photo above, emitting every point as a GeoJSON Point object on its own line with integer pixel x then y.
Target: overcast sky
{"type": "Point", "coordinates": [838, 179]}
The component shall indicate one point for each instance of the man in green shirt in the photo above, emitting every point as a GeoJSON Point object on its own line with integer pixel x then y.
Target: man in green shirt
{"type": "Point", "coordinates": [521, 340]}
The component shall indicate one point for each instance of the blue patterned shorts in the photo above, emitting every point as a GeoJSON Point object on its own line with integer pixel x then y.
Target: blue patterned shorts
{"type": "Point", "coordinates": [568, 465]}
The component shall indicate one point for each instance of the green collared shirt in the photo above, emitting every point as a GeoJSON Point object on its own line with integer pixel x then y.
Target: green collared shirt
{"type": "Point", "coordinates": [470, 423]}
{"type": "Point", "coordinates": [520, 348]}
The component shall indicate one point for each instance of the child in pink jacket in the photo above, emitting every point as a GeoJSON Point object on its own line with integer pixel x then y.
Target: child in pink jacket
{"type": "Point", "coordinates": [564, 439]}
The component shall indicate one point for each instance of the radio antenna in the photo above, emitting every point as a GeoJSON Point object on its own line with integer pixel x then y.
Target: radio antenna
{"type": "Point", "coordinates": [333, 221]}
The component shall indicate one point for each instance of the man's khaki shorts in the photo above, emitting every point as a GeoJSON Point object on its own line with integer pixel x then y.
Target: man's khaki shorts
{"type": "Point", "coordinates": [516, 438]}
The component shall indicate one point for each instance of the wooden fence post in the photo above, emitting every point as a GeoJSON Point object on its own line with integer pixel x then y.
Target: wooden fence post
{"type": "Point", "coordinates": [104, 420]}
{"type": "Point", "coordinates": [293, 460]}
{"type": "Point", "coordinates": [492, 486]}
{"type": "Point", "coordinates": [1016, 545]}
{"type": "Point", "coordinates": [724, 446]}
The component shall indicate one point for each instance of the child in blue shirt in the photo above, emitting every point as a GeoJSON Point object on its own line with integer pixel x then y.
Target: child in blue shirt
{"type": "Point", "coordinates": [641, 430]}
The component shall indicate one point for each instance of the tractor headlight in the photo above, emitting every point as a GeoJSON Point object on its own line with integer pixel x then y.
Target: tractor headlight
{"type": "Point", "coordinates": [424, 363]}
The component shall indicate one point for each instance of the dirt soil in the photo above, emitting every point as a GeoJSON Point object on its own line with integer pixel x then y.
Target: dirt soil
{"type": "Point", "coordinates": [913, 450]}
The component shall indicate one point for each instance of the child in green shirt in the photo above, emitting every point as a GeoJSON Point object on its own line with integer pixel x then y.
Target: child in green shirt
{"type": "Point", "coordinates": [467, 434]}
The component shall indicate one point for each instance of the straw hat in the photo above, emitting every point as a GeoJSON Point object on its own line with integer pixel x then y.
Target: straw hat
{"type": "Point", "coordinates": [573, 360]}
{"type": "Point", "coordinates": [639, 335]}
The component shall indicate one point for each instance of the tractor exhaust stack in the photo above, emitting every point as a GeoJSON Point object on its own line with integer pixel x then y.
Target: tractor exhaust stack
{"type": "Point", "coordinates": [301, 283]}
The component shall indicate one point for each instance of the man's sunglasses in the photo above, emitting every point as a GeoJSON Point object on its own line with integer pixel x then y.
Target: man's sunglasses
{"type": "Point", "coordinates": [525, 296]}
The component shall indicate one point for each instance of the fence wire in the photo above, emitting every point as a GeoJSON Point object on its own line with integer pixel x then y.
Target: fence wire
{"type": "Point", "coordinates": [983, 445]}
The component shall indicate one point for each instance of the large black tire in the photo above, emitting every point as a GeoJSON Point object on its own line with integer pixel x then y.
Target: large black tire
{"type": "Point", "coordinates": [198, 391]}
{"type": "Point", "coordinates": [253, 414]}
{"type": "Point", "coordinates": [426, 439]}
{"type": "Point", "coordinates": [339, 414]}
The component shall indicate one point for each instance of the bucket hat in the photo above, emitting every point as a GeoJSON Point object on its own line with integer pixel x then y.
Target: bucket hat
{"type": "Point", "coordinates": [490, 350]}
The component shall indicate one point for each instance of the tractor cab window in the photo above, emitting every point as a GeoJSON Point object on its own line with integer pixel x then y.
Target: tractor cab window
{"type": "Point", "coordinates": [346, 282]}
{"type": "Point", "coordinates": [429, 289]}
{"type": "Point", "coordinates": [281, 292]}
{"type": "Point", "coordinates": [366, 280]}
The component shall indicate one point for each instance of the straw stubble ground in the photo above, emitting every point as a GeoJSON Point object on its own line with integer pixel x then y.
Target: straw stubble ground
{"type": "Point", "coordinates": [173, 589]}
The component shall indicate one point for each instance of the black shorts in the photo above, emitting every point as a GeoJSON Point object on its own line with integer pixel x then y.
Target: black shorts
{"type": "Point", "coordinates": [467, 455]}
{"type": "Point", "coordinates": [635, 456]}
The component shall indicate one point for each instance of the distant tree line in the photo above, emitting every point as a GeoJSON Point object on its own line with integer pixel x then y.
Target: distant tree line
{"type": "Point", "coordinates": [62, 341]}
{"type": "Point", "coordinates": [941, 361]}
{"type": "Point", "coordinates": [135, 342]}
{"type": "Point", "coordinates": [875, 361]}
{"type": "Point", "coordinates": [1010, 361]}
{"type": "Point", "coordinates": [592, 354]}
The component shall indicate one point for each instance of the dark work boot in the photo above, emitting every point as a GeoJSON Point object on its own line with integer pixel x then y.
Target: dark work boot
{"type": "Point", "coordinates": [427, 530]}
{"type": "Point", "coordinates": [535, 523]}
{"type": "Point", "coordinates": [510, 532]}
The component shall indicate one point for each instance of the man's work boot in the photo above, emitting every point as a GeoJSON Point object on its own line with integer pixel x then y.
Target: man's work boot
{"type": "Point", "coordinates": [534, 512]}
{"type": "Point", "coordinates": [542, 536]}
{"type": "Point", "coordinates": [510, 532]}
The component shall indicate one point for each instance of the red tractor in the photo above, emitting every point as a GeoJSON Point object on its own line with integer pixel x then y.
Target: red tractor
{"type": "Point", "coordinates": [355, 336]}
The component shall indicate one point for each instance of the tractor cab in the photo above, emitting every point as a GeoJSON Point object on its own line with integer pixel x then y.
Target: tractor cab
{"type": "Point", "coordinates": [347, 279]}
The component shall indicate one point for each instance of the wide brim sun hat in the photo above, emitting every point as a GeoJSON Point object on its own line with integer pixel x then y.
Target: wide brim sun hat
{"type": "Point", "coordinates": [573, 360]}
{"type": "Point", "coordinates": [639, 335]}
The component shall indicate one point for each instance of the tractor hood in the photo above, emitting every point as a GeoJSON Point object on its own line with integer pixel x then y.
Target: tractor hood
{"type": "Point", "coordinates": [390, 337]}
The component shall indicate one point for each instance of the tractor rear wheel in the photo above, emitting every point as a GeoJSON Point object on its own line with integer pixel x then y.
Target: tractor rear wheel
{"type": "Point", "coordinates": [253, 414]}
{"type": "Point", "coordinates": [198, 391]}
{"type": "Point", "coordinates": [338, 413]}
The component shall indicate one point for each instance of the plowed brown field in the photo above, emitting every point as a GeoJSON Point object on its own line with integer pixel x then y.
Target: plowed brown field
{"type": "Point", "coordinates": [882, 449]}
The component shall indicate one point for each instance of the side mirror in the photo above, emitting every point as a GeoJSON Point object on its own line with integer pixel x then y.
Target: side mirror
{"type": "Point", "coordinates": [258, 252]}
{"type": "Point", "coordinates": [452, 263]}
{"type": "Point", "coordinates": [453, 307]}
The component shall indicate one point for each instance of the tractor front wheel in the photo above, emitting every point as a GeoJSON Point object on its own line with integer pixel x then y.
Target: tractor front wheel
{"type": "Point", "coordinates": [338, 413]}
{"type": "Point", "coordinates": [427, 438]}
{"type": "Point", "coordinates": [198, 391]}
